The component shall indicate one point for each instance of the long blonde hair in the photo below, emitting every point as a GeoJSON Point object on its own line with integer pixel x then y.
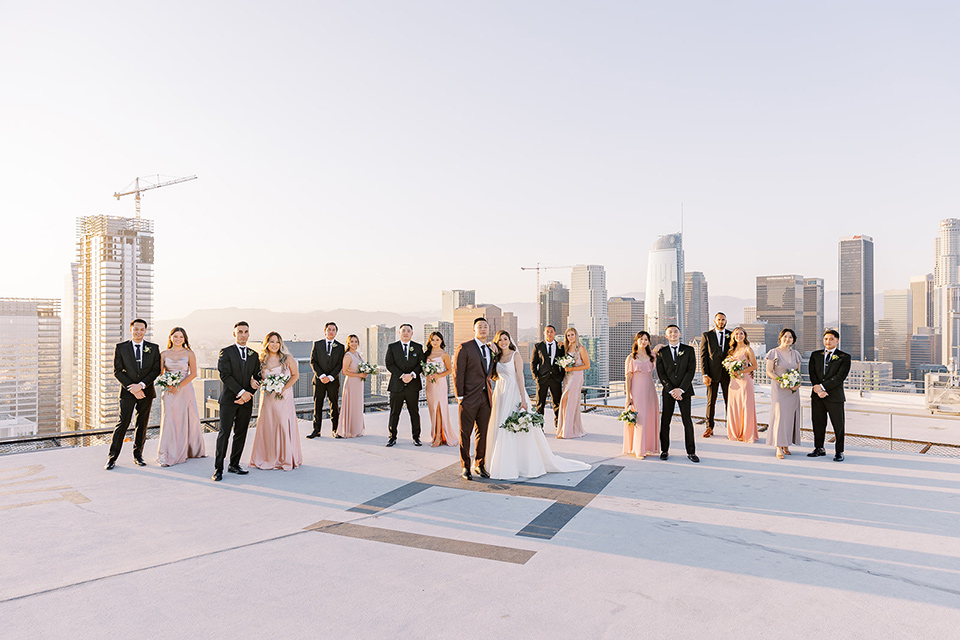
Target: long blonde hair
{"type": "Point", "coordinates": [283, 354]}
{"type": "Point", "coordinates": [566, 343]}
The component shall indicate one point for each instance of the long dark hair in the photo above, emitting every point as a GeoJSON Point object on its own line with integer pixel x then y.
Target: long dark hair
{"type": "Point", "coordinates": [186, 340]}
{"type": "Point", "coordinates": [429, 349]}
{"type": "Point", "coordinates": [496, 358]}
{"type": "Point", "coordinates": [636, 349]}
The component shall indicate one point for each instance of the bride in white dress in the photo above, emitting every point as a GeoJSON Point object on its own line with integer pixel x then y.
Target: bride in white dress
{"type": "Point", "coordinates": [511, 455]}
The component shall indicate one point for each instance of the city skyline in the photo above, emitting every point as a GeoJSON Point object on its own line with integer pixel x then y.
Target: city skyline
{"type": "Point", "coordinates": [458, 114]}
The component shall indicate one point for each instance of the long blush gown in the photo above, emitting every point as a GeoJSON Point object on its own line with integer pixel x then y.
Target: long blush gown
{"type": "Point", "coordinates": [570, 424]}
{"type": "Point", "coordinates": [180, 434]}
{"type": "Point", "coordinates": [526, 454]}
{"type": "Point", "coordinates": [277, 442]}
{"type": "Point", "coordinates": [351, 406]}
{"type": "Point", "coordinates": [644, 438]}
{"type": "Point", "coordinates": [742, 409]}
{"type": "Point", "coordinates": [784, 403]}
{"type": "Point", "coordinates": [442, 430]}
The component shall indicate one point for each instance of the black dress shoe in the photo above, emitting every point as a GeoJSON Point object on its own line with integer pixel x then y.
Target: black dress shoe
{"type": "Point", "coordinates": [391, 442]}
{"type": "Point", "coordinates": [465, 474]}
{"type": "Point", "coordinates": [217, 476]}
{"type": "Point", "coordinates": [693, 457]}
{"type": "Point", "coordinates": [663, 455]}
{"type": "Point", "coordinates": [838, 457]}
{"type": "Point", "coordinates": [480, 471]}
{"type": "Point", "coordinates": [417, 443]}
{"type": "Point", "coordinates": [110, 465]}
{"type": "Point", "coordinates": [314, 434]}
{"type": "Point", "coordinates": [339, 437]}
{"type": "Point", "coordinates": [816, 453]}
{"type": "Point", "coordinates": [237, 470]}
{"type": "Point", "coordinates": [139, 462]}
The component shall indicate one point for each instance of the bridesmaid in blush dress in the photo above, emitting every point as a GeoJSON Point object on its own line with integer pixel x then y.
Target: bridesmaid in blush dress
{"type": "Point", "coordinates": [742, 409]}
{"type": "Point", "coordinates": [277, 442]}
{"type": "Point", "coordinates": [180, 433]}
{"type": "Point", "coordinates": [351, 406]}
{"type": "Point", "coordinates": [643, 437]}
{"type": "Point", "coordinates": [442, 431]}
{"type": "Point", "coordinates": [570, 424]}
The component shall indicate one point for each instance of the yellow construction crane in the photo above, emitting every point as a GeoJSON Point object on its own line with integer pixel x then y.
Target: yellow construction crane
{"type": "Point", "coordinates": [146, 186]}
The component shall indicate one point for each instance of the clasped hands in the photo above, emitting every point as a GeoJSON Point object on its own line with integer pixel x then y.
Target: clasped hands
{"type": "Point", "coordinates": [137, 390]}
{"type": "Point", "coordinates": [818, 389]}
{"type": "Point", "coordinates": [246, 396]}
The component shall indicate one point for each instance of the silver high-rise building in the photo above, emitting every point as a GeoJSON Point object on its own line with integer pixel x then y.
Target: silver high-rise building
{"type": "Point", "coordinates": [588, 314]}
{"type": "Point", "coordinates": [114, 278]}
{"type": "Point", "coordinates": [664, 304]}
{"type": "Point", "coordinates": [812, 316]}
{"type": "Point", "coordinates": [856, 297]}
{"type": "Point", "coordinates": [452, 299]}
{"type": "Point", "coordinates": [946, 273]}
{"type": "Point", "coordinates": [921, 292]}
{"type": "Point", "coordinates": [30, 366]}
{"type": "Point", "coordinates": [554, 307]}
{"type": "Point", "coordinates": [696, 304]}
{"type": "Point", "coordinates": [780, 301]}
{"type": "Point", "coordinates": [626, 320]}
{"type": "Point", "coordinates": [895, 330]}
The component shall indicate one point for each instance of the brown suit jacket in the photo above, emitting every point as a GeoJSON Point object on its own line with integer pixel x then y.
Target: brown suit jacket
{"type": "Point", "coordinates": [469, 377]}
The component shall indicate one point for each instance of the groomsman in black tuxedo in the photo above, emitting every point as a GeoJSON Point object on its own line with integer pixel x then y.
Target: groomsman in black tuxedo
{"type": "Point", "coordinates": [136, 364]}
{"type": "Point", "coordinates": [239, 368]}
{"type": "Point", "coordinates": [713, 349]}
{"type": "Point", "coordinates": [404, 361]}
{"type": "Point", "coordinates": [326, 359]}
{"type": "Point", "coordinates": [676, 366]}
{"type": "Point", "coordinates": [828, 369]}
{"type": "Point", "coordinates": [548, 375]}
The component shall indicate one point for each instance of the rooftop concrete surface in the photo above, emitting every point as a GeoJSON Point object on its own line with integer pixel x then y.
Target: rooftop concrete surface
{"type": "Point", "coordinates": [741, 545]}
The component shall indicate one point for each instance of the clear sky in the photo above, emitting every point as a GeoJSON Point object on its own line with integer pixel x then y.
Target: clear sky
{"type": "Point", "coordinates": [369, 154]}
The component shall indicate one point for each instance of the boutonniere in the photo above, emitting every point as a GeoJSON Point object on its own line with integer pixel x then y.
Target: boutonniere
{"type": "Point", "coordinates": [250, 352]}
{"type": "Point", "coordinates": [146, 349]}
{"type": "Point", "coordinates": [679, 353]}
{"type": "Point", "coordinates": [835, 357]}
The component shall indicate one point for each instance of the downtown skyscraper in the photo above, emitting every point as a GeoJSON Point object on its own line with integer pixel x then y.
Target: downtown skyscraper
{"type": "Point", "coordinates": [553, 307]}
{"type": "Point", "coordinates": [665, 285]}
{"type": "Point", "coordinates": [588, 314]}
{"type": "Point", "coordinates": [30, 366]}
{"type": "Point", "coordinates": [856, 297]}
{"type": "Point", "coordinates": [113, 276]}
{"type": "Point", "coordinates": [696, 301]}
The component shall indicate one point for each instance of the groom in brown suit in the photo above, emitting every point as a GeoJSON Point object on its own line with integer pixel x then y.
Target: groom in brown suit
{"type": "Point", "coordinates": [471, 372]}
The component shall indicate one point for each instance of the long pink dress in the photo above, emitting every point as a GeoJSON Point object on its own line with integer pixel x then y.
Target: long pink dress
{"type": "Point", "coordinates": [644, 438]}
{"type": "Point", "coordinates": [180, 434]}
{"type": "Point", "coordinates": [442, 430]}
{"type": "Point", "coordinates": [277, 443]}
{"type": "Point", "coordinates": [570, 424]}
{"type": "Point", "coordinates": [742, 409]}
{"type": "Point", "coordinates": [351, 407]}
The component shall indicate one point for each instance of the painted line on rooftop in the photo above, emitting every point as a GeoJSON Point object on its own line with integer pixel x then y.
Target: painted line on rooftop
{"type": "Point", "coordinates": [421, 541]}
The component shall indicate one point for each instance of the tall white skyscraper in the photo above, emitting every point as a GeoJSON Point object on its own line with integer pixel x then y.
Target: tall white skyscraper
{"type": "Point", "coordinates": [29, 366]}
{"type": "Point", "coordinates": [588, 314]}
{"type": "Point", "coordinates": [856, 297]}
{"type": "Point", "coordinates": [114, 276]}
{"type": "Point", "coordinates": [946, 274]}
{"type": "Point", "coordinates": [665, 285]}
{"type": "Point", "coordinates": [895, 330]}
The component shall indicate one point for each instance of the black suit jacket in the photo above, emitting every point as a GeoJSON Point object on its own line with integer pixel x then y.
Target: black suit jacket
{"type": "Point", "coordinates": [832, 380]}
{"type": "Point", "coordinates": [540, 363]}
{"type": "Point", "coordinates": [711, 356]}
{"type": "Point", "coordinates": [235, 374]}
{"type": "Point", "coordinates": [322, 364]}
{"type": "Point", "coordinates": [127, 372]}
{"type": "Point", "coordinates": [677, 374]}
{"type": "Point", "coordinates": [469, 378]}
{"type": "Point", "coordinates": [397, 365]}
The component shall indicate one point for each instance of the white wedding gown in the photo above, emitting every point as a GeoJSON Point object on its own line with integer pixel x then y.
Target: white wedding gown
{"type": "Point", "coordinates": [511, 455]}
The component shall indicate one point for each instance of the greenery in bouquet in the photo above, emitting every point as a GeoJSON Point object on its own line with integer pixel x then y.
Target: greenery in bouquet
{"type": "Point", "coordinates": [521, 420]}
{"type": "Point", "coordinates": [790, 379]}
{"type": "Point", "coordinates": [431, 368]}
{"type": "Point", "coordinates": [274, 384]}
{"type": "Point", "coordinates": [566, 361]}
{"type": "Point", "coordinates": [628, 416]}
{"type": "Point", "coordinates": [733, 366]}
{"type": "Point", "coordinates": [367, 368]}
{"type": "Point", "coordinates": [169, 379]}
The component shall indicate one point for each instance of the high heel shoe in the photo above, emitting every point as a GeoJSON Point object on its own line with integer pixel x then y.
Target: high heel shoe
{"type": "Point", "coordinates": [779, 453]}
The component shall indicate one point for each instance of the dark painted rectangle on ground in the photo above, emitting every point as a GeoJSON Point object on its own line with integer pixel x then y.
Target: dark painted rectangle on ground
{"type": "Point", "coordinates": [421, 541]}
{"type": "Point", "coordinates": [556, 516]}
{"type": "Point", "coordinates": [391, 498]}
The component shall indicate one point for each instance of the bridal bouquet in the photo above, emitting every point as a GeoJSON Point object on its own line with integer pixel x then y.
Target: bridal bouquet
{"type": "Point", "coordinates": [790, 379]}
{"type": "Point", "coordinates": [169, 379]}
{"type": "Point", "coordinates": [733, 366]}
{"type": "Point", "coordinates": [522, 420]}
{"type": "Point", "coordinates": [368, 368]}
{"type": "Point", "coordinates": [273, 383]}
{"type": "Point", "coordinates": [565, 361]}
{"type": "Point", "coordinates": [628, 416]}
{"type": "Point", "coordinates": [430, 368]}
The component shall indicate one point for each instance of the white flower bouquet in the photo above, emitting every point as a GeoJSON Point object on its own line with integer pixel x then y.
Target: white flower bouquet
{"type": "Point", "coordinates": [368, 368]}
{"type": "Point", "coordinates": [628, 416]}
{"type": "Point", "coordinates": [565, 361]}
{"type": "Point", "coordinates": [430, 368]}
{"type": "Point", "coordinates": [274, 383]}
{"type": "Point", "coordinates": [790, 379]}
{"type": "Point", "coordinates": [522, 420]}
{"type": "Point", "coordinates": [733, 366]}
{"type": "Point", "coordinates": [169, 379]}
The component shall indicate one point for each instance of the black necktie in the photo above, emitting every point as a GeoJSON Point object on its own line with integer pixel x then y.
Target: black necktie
{"type": "Point", "coordinates": [138, 356]}
{"type": "Point", "coordinates": [674, 353]}
{"type": "Point", "coordinates": [329, 347]}
{"type": "Point", "coordinates": [243, 354]}
{"type": "Point", "coordinates": [720, 340]}
{"type": "Point", "coordinates": [406, 352]}
{"type": "Point", "coordinates": [826, 361]}
{"type": "Point", "coordinates": [486, 365]}
{"type": "Point", "coordinates": [550, 350]}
